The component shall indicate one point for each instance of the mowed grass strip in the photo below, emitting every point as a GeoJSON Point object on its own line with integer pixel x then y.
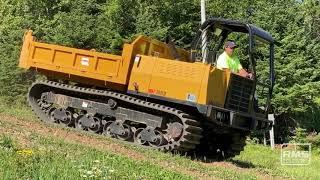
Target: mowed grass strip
{"type": "Point", "coordinates": [56, 159]}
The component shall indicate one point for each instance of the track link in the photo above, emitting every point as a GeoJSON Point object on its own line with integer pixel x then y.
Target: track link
{"type": "Point", "coordinates": [191, 133]}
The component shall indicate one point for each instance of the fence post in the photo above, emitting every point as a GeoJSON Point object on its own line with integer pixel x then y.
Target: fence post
{"type": "Point", "coordinates": [271, 118]}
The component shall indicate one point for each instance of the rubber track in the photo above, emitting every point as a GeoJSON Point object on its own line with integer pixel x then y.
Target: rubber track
{"type": "Point", "coordinates": [191, 133]}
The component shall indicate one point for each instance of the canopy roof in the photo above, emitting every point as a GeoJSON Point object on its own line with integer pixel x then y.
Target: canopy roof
{"type": "Point", "coordinates": [238, 26]}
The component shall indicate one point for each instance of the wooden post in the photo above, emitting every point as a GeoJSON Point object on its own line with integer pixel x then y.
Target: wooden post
{"type": "Point", "coordinates": [271, 118]}
{"type": "Point", "coordinates": [264, 139]}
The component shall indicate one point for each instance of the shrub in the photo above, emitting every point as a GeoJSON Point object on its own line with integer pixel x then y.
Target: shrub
{"type": "Point", "coordinates": [300, 136]}
{"type": "Point", "coordinates": [314, 139]}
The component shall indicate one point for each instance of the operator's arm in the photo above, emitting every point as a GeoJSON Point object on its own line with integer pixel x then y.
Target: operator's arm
{"type": "Point", "coordinates": [243, 72]}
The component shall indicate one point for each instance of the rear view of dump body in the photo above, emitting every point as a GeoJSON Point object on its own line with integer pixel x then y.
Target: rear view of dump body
{"type": "Point", "coordinates": [88, 67]}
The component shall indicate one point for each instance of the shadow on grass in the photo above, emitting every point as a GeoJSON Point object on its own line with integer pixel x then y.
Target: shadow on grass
{"type": "Point", "coordinates": [196, 156]}
{"type": "Point", "coordinates": [242, 164]}
{"type": "Point", "coordinates": [207, 158]}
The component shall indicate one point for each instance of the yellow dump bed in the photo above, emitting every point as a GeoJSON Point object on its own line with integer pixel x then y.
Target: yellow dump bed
{"type": "Point", "coordinates": [90, 67]}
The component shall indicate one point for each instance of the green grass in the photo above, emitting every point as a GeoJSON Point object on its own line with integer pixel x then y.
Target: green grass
{"type": "Point", "coordinates": [54, 158]}
{"type": "Point", "coordinates": [268, 161]}
{"type": "Point", "coordinates": [6, 142]}
{"type": "Point", "coordinates": [17, 110]}
{"type": "Point", "coordinates": [193, 164]}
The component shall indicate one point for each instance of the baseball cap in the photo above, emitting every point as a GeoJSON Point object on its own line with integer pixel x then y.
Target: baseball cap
{"type": "Point", "coordinates": [230, 44]}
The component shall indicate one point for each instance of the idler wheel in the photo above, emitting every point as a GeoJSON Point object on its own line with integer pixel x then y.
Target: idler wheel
{"type": "Point", "coordinates": [61, 115]}
{"type": "Point", "coordinates": [88, 122]}
{"type": "Point", "coordinates": [107, 130]}
{"type": "Point", "coordinates": [137, 137]}
{"type": "Point", "coordinates": [149, 136]}
{"type": "Point", "coordinates": [127, 133]}
{"type": "Point", "coordinates": [96, 125]}
{"type": "Point", "coordinates": [158, 140]}
{"type": "Point", "coordinates": [118, 130]}
{"type": "Point", "coordinates": [51, 118]}
{"type": "Point", "coordinates": [66, 117]}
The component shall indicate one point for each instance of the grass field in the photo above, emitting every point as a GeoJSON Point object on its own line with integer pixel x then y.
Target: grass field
{"type": "Point", "coordinates": [30, 149]}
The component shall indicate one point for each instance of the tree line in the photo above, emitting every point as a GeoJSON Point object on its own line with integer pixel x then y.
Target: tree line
{"type": "Point", "coordinates": [106, 24]}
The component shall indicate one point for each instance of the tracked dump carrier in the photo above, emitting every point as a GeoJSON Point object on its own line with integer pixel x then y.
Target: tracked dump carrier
{"type": "Point", "coordinates": [153, 94]}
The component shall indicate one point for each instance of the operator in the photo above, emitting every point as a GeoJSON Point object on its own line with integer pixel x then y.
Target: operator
{"type": "Point", "coordinates": [228, 60]}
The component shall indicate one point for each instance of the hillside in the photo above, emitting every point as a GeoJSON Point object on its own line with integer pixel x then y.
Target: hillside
{"type": "Point", "coordinates": [31, 149]}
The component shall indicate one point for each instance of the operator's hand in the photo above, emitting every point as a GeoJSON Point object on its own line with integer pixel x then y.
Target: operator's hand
{"type": "Point", "coordinates": [250, 75]}
{"type": "Point", "coordinates": [245, 74]}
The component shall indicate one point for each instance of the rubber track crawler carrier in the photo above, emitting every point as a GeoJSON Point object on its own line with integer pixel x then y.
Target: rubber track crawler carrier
{"type": "Point", "coordinates": [154, 94]}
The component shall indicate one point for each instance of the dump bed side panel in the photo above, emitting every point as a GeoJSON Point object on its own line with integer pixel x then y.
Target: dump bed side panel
{"type": "Point", "coordinates": [151, 47]}
{"type": "Point", "coordinates": [90, 67]}
{"type": "Point", "coordinates": [74, 62]}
